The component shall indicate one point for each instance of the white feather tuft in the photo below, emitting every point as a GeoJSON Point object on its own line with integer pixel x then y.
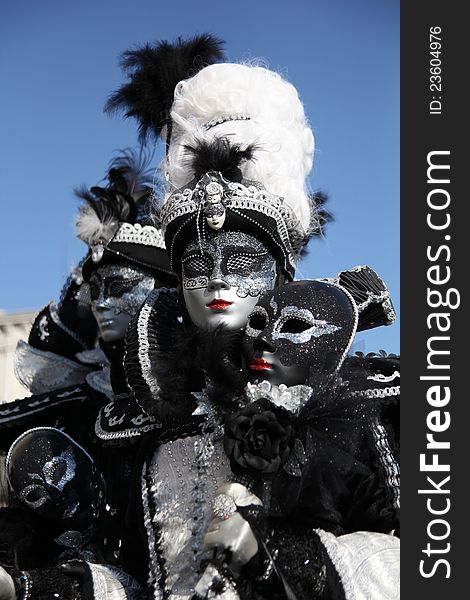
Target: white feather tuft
{"type": "Point", "coordinates": [91, 230]}
{"type": "Point", "coordinates": [277, 125]}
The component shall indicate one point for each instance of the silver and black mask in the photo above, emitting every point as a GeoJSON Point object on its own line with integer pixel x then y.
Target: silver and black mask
{"type": "Point", "coordinates": [298, 330]}
{"type": "Point", "coordinates": [117, 292]}
{"type": "Point", "coordinates": [237, 258]}
{"type": "Point", "coordinates": [52, 475]}
{"type": "Point", "coordinates": [223, 276]}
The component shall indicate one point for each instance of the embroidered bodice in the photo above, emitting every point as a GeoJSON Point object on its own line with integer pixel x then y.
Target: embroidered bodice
{"type": "Point", "coordinates": [181, 480]}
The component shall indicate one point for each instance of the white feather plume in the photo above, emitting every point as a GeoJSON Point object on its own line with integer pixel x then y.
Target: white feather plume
{"type": "Point", "coordinates": [276, 124]}
{"type": "Point", "coordinates": [91, 230]}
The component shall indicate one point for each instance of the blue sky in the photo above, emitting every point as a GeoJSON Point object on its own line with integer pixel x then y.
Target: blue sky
{"type": "Point", "coordinates": [59, 63]}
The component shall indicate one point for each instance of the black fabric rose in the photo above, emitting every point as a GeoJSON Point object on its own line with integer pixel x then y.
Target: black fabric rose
{"type": "Point", "coordinates": [258, 439]}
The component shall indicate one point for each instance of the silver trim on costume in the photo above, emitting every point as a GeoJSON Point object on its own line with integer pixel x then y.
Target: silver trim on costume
{"type": "Point", "coordinates": [224, 119]}
{"type": "Point", "coordinates": [42, 371]}
{"type": "Point", "coordinates": [144, 346]}
{"type": "Point", "coordinates": [386, 392]}
{"type": "Point", "coordinates": [384, 378]}
{"type": "Point", "coordinates": [389, 464]}
{"type": "Point", "coordinates": [123, 433]}
{"type": "Point", "coordinates": [154, 568]}
{"type": "Point", "coordinates": [382, 297]}
{"type": "Point", "coordinates": [110, 583]}
{"type": "Point", "coordinates": [368, 563]}
{"type": "Point", "coordinates": [292, 398]}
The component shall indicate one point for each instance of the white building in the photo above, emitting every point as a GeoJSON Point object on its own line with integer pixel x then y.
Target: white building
{"type": "Point", "coordinates": [13, 327]}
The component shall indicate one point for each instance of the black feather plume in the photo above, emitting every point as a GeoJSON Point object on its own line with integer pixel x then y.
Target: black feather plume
{"type": "Point", "coordinates": [130, 172]}
{"type": "Point", "coordinates": [219, 155]}
{"type": "Point", "coordinates": [106, 206]}
{"type": "Point", "coordinates": [320, 217]}
{"type": "Point", "coordinates": [125, 197]}
{"type": "Point", "coordinates": [153, 73]}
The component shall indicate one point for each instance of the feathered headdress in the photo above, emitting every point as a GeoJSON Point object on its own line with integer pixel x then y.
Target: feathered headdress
{"type": "Point", "coordinates": [154, 72]}
{"type": "Point", "coordinates": [114, 220]}
{"type": "Point", "coordinates": [242, 128]}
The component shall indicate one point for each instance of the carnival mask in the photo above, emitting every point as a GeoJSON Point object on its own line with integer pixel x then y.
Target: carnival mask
{"type": "Point", "coordinates": [52, 475]}
{"type": "Point", "coordinates": [298, 330]}
{"type": "Point", "coordinates": [223, 277]}
{"type": "Point", "coordinates": [117, 292]}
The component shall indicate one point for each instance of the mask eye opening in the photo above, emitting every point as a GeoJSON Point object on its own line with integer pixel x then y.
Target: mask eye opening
{"type": "Point", "coordinates": [94, 290]}
{"type": "Point", "coordinates": [196, 264]}
{"type": "Point", "coordinates": [34, 495]}
{"type": "Point", "coordinates": [257, 321]}
{"type": "Point", "coordinates": [294, 325]}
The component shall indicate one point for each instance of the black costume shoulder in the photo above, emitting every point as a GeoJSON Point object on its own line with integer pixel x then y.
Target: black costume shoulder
{"type": "Point", "coordinates": [72, 409]}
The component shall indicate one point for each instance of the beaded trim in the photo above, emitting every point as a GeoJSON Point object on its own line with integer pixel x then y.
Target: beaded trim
{"type": "Point", "coordinates": [291, 398]}
{"type": "Point", "coordinates": [338, 559]}
{"type": "Point", "coordinates": [391, 468]}
{"type": "Point", "coordinates": [384, 378]}
{"type": "Point", "coordinates": [382, 297]}
{"type": "Point", "coordinates": [394, 390]}
{"type": "Point", "coordinates": [154, 569]}
{"type": "Point", "coordinates": [145, 235]}
{"type": "Point", "coordinates": [144, 346]}
{"type": "Point", "coordinates": [26, 583]}
{"type": "Point", "coordinates": [220, 120]}
{"type": "Point", "coordinates": [34, 406]}
{"type": "Point", "coordinates": [125, 433]}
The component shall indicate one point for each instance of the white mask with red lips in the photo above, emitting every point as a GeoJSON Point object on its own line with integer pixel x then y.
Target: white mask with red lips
{"type": "Point", "coordinates": [223, 276]}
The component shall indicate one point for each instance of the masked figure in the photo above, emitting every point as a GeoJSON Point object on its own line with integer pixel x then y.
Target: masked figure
{"type": "Point", "coordinates": [303, 329]}
{"type": "Point", "coordinates": [57, 484]}
{"type": "Point", "coordinates": [304, 445]}
{"type": "Point", "coordinates": [126, 261]}
{"type": "Point", "coordinates": [220, 153]}
{"type": "Point", "coordinates": [59, 351]}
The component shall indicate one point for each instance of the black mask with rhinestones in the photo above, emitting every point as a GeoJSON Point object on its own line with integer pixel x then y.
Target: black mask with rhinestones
{"type": "Point", "coordinates": [53, 476]}
{"type": "Point", "coordinates": [298, 330]}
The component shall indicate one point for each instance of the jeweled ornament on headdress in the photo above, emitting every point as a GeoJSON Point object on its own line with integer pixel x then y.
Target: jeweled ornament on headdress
{"type": "Point", "coordinates": [212, 194]}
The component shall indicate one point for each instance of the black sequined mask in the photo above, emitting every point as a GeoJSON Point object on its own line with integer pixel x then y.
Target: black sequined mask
{"type": "Point", "coordinates": [297, 330]}
{"type": "Point", "coordinates": [52, 475]}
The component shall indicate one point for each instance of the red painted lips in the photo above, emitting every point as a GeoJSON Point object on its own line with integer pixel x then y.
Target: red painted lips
{"type": "Point", "coordinates": [218, 304]}
{"type": "Point", "coordinates": [258, 364]}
